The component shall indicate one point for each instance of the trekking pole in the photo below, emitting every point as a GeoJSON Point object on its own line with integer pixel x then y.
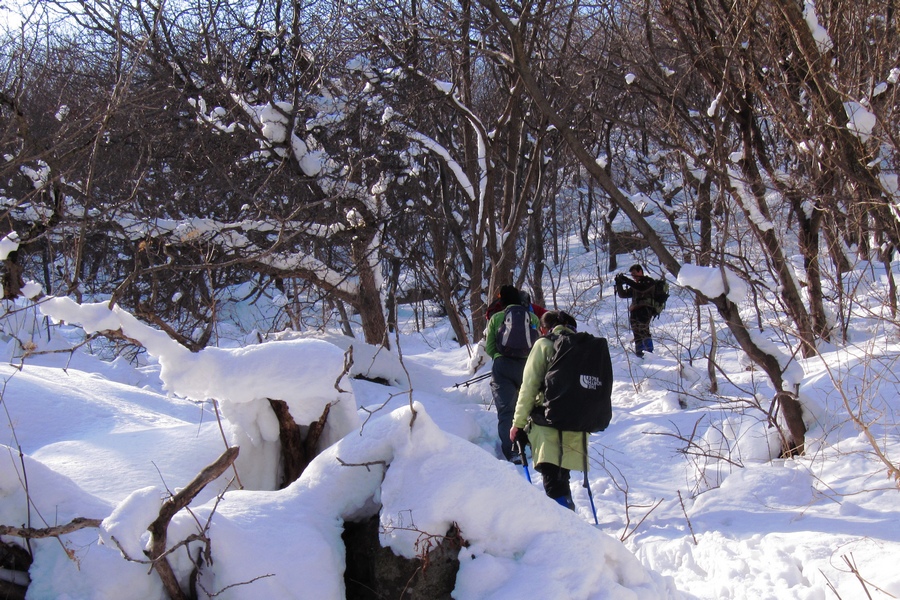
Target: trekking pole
{"type": "Point", "coordinates": [521, 448]}
{"type": "Point", "coordinates": [469, 382]}
{"type": "Point", "coordinates": [586, 483]}
{"type": "Point", "coordinates": [591, 498]}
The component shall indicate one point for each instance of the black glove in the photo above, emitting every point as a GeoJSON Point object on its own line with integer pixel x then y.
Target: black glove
{"type": "Point", "coordinates": [521, 438]}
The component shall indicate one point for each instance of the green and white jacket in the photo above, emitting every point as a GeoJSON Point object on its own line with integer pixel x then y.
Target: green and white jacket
{"type": "Point", "coordinates": [493, 326]}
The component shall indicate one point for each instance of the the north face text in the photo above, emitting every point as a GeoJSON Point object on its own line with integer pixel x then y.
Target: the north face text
{"type": "Point", "coordinates": [590, 382]}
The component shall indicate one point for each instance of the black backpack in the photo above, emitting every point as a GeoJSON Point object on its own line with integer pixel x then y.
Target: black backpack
{"type": "Point", "coordinates": [578, 385]}
{"type": "Point", "coordinates": [660, 295]}
{"type": "Point", "coordinates": [517, 334]}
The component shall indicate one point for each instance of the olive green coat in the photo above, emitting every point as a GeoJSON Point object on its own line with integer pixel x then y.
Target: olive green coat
{"type": "Point", "coordinates": [545, 444]}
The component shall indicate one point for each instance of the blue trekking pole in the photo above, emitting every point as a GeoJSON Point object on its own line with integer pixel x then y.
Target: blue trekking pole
{"type": "Point", "coordinates": [586, 484]}
{"type": "Point", "coordinates": [521, 448]}
{"type": "Point", "coordinates": [591, 497]}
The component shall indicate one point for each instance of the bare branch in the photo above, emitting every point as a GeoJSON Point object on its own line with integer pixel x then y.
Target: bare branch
{"type": "Point", "coordinates": [158, 529]}
{"type": "Point", "coordinates": [45, 532]}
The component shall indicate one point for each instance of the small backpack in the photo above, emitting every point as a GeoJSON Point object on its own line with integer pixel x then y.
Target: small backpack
{"type": "Point", "coordinates": [578, 385]}
{"type": "Point", "coordinates": [660, 295]}
{"type": "Point", "coordinates": [517, 334]}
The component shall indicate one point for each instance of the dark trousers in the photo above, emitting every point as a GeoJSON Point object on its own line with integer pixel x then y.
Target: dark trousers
{"type": "Point", "coordinates": [640, 327]}
{"type": "Point", "coordinates": [506, 379]}
{"type": "Point", "coordinates": [555, 480]}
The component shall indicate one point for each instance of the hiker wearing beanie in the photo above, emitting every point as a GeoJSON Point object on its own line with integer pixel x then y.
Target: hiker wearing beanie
{"type": "Point", "coordinates": [511, 333]}
{"type": "Point", "coordinates": [555, 453]}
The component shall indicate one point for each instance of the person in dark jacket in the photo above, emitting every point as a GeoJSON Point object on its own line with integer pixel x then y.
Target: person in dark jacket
{"type": "Point", "coordinates": [506, 371]}
{"type": "Point", "coordinates": [642, 308]}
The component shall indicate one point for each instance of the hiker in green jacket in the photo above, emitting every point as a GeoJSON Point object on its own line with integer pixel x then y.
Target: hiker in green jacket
{"type": "Point", "coordinates": [555, 453]}
{"type": "Point", "coordinates": [510, 334]}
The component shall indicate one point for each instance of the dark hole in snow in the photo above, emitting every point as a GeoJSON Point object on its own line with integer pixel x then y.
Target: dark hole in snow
{"type": "Point", "coordinates": [374, 572]}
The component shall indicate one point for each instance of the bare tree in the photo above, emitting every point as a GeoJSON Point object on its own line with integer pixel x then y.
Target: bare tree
{"type": "Point", "coordinates": [216, 122]}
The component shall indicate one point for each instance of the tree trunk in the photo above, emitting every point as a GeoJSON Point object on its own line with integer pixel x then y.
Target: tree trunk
{"type": "Point", "coordinates": [536, 241]}
{"type": "Point", "coordinates": [809, 248]}
{"type": "Point", "coordinates": [391, 300]}
{"type": "Point", "coordinates": [293, 454]}
{"type": "Point", "coordinates": [711, 358]}
{"type": "Point", "coordinates": [368, 303]}
{"type": "Point", "coordinates": [12, 277]}
{"type": "Point", "coordinates": [297, 450]}
{"type": "Point", "coordinates": [481, 233]}
{"type": "Point", "coordinates": [789, 405]}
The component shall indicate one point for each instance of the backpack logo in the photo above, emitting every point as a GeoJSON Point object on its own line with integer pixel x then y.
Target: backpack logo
{"type": "Point", "coordinates": [517, 333]}
{"type": "Point", "coordinates": [590, 382]}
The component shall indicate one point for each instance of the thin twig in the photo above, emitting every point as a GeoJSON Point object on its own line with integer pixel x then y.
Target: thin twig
{"type": "Point", "coordinates": [228, 587]}
{"type": "Point", "coordinates": [830, 585]}
{"type": "Point", "coordinates": [638, 524]}
{"type": "Point", "coordinates": [412, 408]}
{"type": "Point", "coordinates": [237, 477]}
{"type": "Point", "coordinates": [365, 464]}
{"type": "Point", "coordinates": [851, 564]}
{"type": "Point", "coordinates": [686, 518]}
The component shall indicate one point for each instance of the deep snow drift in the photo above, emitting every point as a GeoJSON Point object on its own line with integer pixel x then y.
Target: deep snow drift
{"type": "Point", "coordinates": [111, 441]}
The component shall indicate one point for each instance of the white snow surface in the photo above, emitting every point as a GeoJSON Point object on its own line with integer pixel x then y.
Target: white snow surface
{"type": "Point", "coordinates": [113, 440]}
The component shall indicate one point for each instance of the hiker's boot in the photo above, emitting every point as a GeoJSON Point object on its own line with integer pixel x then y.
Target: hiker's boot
{"type": "Point", "coordinates": [566, 501]}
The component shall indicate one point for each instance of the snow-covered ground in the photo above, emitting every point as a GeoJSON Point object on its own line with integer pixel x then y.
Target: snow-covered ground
{"type": "Point", "coordinates": [111, 441]}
